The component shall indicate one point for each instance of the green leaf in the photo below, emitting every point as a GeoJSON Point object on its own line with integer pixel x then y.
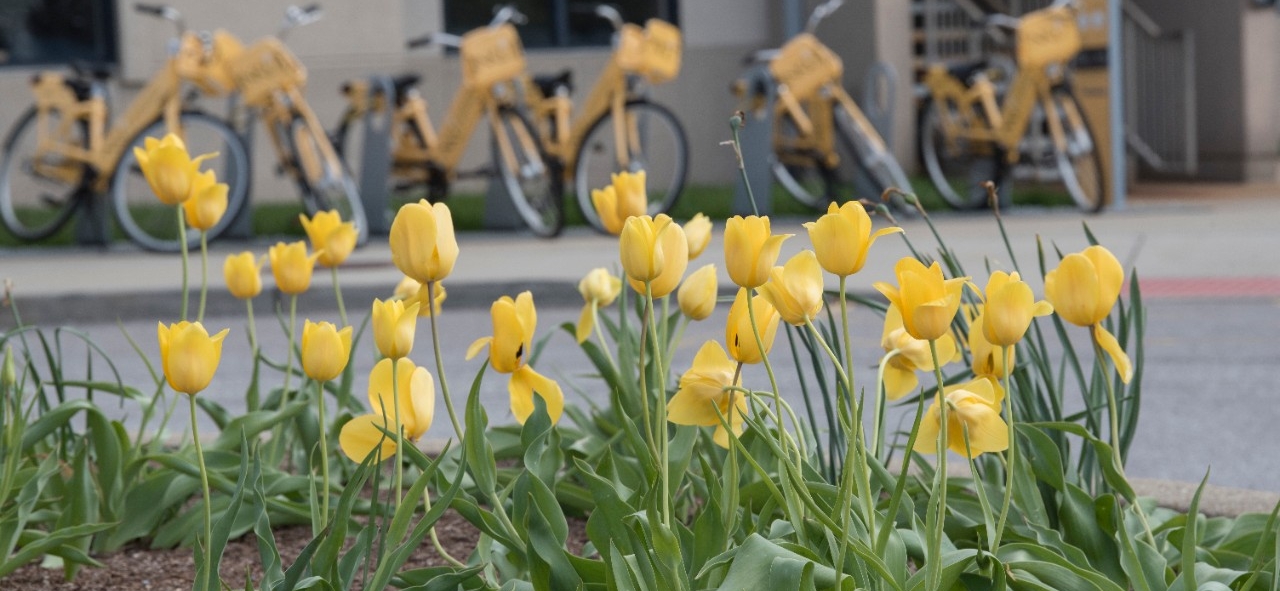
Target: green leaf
{"type": "Point", "coordinates": [756, 559]}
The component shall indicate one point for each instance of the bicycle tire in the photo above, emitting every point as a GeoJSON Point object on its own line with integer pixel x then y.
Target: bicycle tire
{"type": "Point", "coordinates": [802, 173]}
{"type": "Point", "coordinates": [1080, 165]}
{"type": "Point", "coordinates": [874, 160]}
{"type": "Point", "coordinates": [662, 151]}
{"type": "Point", "coordinates": [151, 224]}
{"type": "Point", "coordinates": [324, 186]}
{"type": "Point", "coordinates": [958, 175]}
{"type": "Point", "coordinates": [26, 209]}
{"type": "Point", "coordinates": [532, 183]}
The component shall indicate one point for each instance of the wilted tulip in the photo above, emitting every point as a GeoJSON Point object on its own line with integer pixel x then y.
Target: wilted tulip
{"type": "Point", "coordinates": [909, 355]}
{"type": "Point", "coordinates": [973, 411]}
{"type": "Point", "coordinates": [415, 390]}
{"type": "Point", "coordinates": [423, 245]}
{"type": "Point", "coordinates": [1082, 290]}
{"type": "Point", "coordinates": [703, 396]}
{"type": "Point", "coordinates": [188, 355]}
{"type": "Point", "coordinates": [524, 384]}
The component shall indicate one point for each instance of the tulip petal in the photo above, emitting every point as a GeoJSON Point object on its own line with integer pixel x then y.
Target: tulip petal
{"type": "Point", "coordinates": [930, 430]}
{"type": "Point", "coordinates": [586, 323]}
{"type": "Point", "coordinates": [898, 382]}
{"type": "Point", "coordinates": [524, 384]}
{"type": "Point", "coordinates": [477, 346]}
{"type": "Point", "coordinates": [363, 434]}
{"type": "Point", "coordinates": [1109, 344]}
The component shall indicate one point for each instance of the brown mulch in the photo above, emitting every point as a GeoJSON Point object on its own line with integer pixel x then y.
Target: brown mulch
{"type": "Point", "coordinates": [138, 568]}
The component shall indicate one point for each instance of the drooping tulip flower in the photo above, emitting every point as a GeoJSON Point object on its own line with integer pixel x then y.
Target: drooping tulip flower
{"type": "Point", "coordinates": [243, 273]}
{"type": "Point", "coordinates": [331, 238]}
{"type": "Point", "coordinates": [325, 350]}
{"type": "Point", "coordinates": [1082, 290]}
{"type": "Point", "coordinates": [928, 302]}
{"type": "Point", "coordinates": [513, 324]}
{"type": "Point", "coordinates": [703, 399]}
{"type": "Point", "coordinates": [292, 266]}
{"type": "Point", "coordinates": [973, 410]}
{"type": "Point", "coordinates": [188, 355]}
{"type": "Point", "coordinates": [423, 245]}
{"type": "Point", "coordinates": [207, 203]}
{"type": "Point", "coordinates": [415, 390]}
{"type": "Point", "coordinates": [842, 237]}
{"type": "Point", "coordinates": [169, 168]}
{"type": "Point", "coordinates": [675, 259]}
{"type": "Point", "coordinates": [750, 250]}
{"type": "Point", "coordinates": [524, 383]}
{"type": "Point", "coordinates": [697, 294]}
{"type": "Point", "coordinates": [795, 289]}
{"type": "Point", "coordinates": [641, 250]}
{"type": "Point", "coordinates": [911, 355]}
{"type": "Point", "coordinates": [394, 327]}
{"type": "Point", "coordinates": [1009, 308]}
{"type": "Point", "coordinates": [740, 337]}
{"type": "Point", "coordinates": [599, 288]}
{"type": "Point", "coordinates": [698, 232]}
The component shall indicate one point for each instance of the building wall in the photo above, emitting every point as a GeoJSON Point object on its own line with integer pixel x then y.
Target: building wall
{"type": "Point", "coordinates": [1260, 31]}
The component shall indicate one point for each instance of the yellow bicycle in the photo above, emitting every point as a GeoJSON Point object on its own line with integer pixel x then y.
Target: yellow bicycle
{"type": "Point", "coordinates": [619, 128]}
{"type": "Point", "coordinates": [493, 66]}
{"type": "Point", "coordinates": [968, 135]}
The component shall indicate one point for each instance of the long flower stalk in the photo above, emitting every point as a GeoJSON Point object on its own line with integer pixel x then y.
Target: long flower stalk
{"type": "Point", "coordinates": [204, 273]}
{"type": "Point", "coordinates": [210, 567]}
{"type": "Point", "coordinates": [182, 244]}
{"type": "Point", "coordinates": [435, 345]}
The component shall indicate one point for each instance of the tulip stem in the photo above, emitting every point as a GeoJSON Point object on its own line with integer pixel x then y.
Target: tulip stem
{"type": "Point", "coordinates": [204, 273]}
{"type": "Point", "coordinates": [1012, 456]}
{"type": "Point", "coordinates": [938, 509]}
{"type": "Point", "coordinates": [435, 344]}
{"type": "Point", "coordinates": [211, 569]}
{"type": "Point", "coordinates": [337, 292]}
{"type": "Point", "coordinates": [324, 453]}
{"type": "Point", "coordinates": [604, 345]}
{"type": "Point", "coordinates": [649, 432]}
{"type": "Point", "coordinates": [252, 402]}
{"type": "Point", "coordinates": [773, 383]}
{"type": "Point", "coordinates": [182, 242]}
{"type": "Point", "coordinates": [661, 426]}
{"type": "Point", "coordinates": [435, 539]}
{"type": "Point", "coordinates": [878, 423]}
{"type": "Point", "coordinates": [278, 432]}
{"type": "Point", "coordinates": [395, 401]}
{"type": "Point", "coordinates": [1115, 426]}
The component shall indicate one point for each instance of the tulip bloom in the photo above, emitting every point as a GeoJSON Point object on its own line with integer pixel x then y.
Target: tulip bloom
{"type": "Point", "coordinates": [738, 332]}
{"type": "Point", "coordinates": [325, 350]}
{"type": "Point", "coordinates": [524, 384]}
{"type": "Point", "coordinates": [513, 324]}
{"type": "Point", "coordinates": [1082, 290]}
{"type": "Point", "coordinates": [169, 168]}
{"type": "Point", "coordinates": [750, 250]}
{"type": "Point", "coordinates": [697, 294]}
{"type": "Point", "coordinates": [927, 301]}
{"type": "Point", "coordinates": [911, 355]}
{"type": "Point", "coordinates": [188, 355]}
{"type": "Point", "coordinates": [795, 289]}
{"type": "Point", "coordinates": [1009, 308]}
{"type": "Point", "coordinates": [972, 409]}
{"type": "Point", "coordinates": [987, 360]}
{"type": "Point", "coordinates": [418, 293]}
{"type": "Point", "coordinates": [703, 397]}
{"type": "Point", "coordinates": [675, 259]}
{"type": "Point", "coordinates": [599, 288]}
{"type": "Point", "coordinates": [640, 248]}
{"type": "Point", "coordinates": [207, 203]}
{"type": "Point", "coordinates": [394, 326]}
{"type": "Point", "coordinates": [330, 237]}
{"type": "Point", "coordinates": [633, 198]}
{"type": "Point", "coordinates": [243, 274]}
{"type": "Point", "coordinates": [842, 237]}
{"type": "Point", "coordinates": [614, 207]}
{"type": "Point", "coordinates": [415, 390]}
{"type": "Point", "coordinates": [291, 266]}
{"type": "Point", "coordinates": [698, 233]}
{"type": "Point", "coordinates": [422, 242]}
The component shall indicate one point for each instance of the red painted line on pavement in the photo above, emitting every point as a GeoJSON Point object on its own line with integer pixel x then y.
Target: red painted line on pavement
{"type": "Point", "coordinates": [1208, 287]}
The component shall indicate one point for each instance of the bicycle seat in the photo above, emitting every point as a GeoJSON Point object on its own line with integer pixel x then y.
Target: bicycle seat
{"type": "Point", "coordinates": [92, 70]}
{"type": "Point", "coordinates": [404, 82]}
{"type": "Point", "coordinates": [965, 71]}
{"type": "Point", "coordinates": [548, 83]}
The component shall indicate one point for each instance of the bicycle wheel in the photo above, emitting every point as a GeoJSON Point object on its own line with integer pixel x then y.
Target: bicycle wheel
{"type": "Point", "coordinates": [1079, 163]}
{"type": "Point", "coordinates": [655, 143]}
{"type": "Point", "coordinates": [38, 195]}
{"type": "Point", "coordinates": [153, 225]}
{"type": "Point", "coordinates": [873, 159]}
{"type": "Point", "coordinates": [526, 174]}
{"type": "Point", "coordinates": [957, 170]}
{"type": "Point", "coordinates": [802, 172]}
{"type": "Point", "coordinates": [325, 183]}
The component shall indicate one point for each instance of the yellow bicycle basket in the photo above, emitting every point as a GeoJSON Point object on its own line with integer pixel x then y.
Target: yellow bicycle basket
{"type": "Point", "coordinates": [662, 51]}
{"type": "Point", "coordinates": [491, 55]}
{"type": "Point", "coordinates": [263, 68]}
{"type": "Point", "coordinates": [1046, 37]}
{"type": "Point", "coordinates": [804, 64]}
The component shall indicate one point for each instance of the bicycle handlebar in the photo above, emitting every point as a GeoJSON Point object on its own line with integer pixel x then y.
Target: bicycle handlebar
{"type": "Point", "coordinates": [298, 16]}
{"type": "Point", "coordinates": [443, 39]}
{"type": "Point", "coordinates": [165, 12]}
{"type": "Point", "coordinates": [507, 13]}
{"type": "Point", "coordinates": [820, 12]}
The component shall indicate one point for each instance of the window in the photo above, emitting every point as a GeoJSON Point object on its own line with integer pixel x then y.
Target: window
{"type": "Point", "coordinates": [556, 23]}
{"type": "Point", "coordinates": [56, 31]}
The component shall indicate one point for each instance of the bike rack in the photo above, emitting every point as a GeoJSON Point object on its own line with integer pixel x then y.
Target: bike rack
{"type": "Point", "coordinates": [755, 140]}
{"type": "Point", "coordinates": [93, 221]}
{"type": "Point", "coordinates": [879, 91]}
{"type": "Point", "coordinates": [499, 212]}
{"type": "Point", "coordinates": [241, 226]}
{"type": "Point", "coordinates": [375, 157]}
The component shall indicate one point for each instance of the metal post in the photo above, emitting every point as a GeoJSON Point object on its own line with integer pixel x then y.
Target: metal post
{"type": "Point", "coordinates": [1115, 73]}
{"type": "Point", "coordinates": [375, 155]}
{"type": "Point", "coordinates": [241, 225]}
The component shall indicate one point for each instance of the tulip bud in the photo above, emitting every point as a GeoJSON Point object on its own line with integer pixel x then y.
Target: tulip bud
{"type": "Point", "coordinates": [169, 168]}
{"type": "Point", "coordinates": [1085, 286]}
{"type": "Point", "coordinates": [642, 254]}
{"type": "Point", "coordinates": [750, 250]}
{"type": "Point", "coordinates": [243, 274]}
{"type": "Point", "coordinates": [423, 245]}
{"type": "Point", "coordinates": [207, 203]}
{"type": "Point", "coordinates": [796, 289]}
{"type": "Point", "coordinates": [1009, 308]}
{"type": "Point", "coordinates": [739, 334]}
{"type": "Point", "coordinates": [394, 327]}
{"type": "Point", "coordinates": [698, 232]}
{"type": "Point", "coordinates": [842, 237]}
{"type": "Point", "coordinates": [675, 259]}
{"type": "Point", "coordinates": [291, 266]}
{"type": "Point", "coordinates": [331, 238]}
{"type": "Point", "coordinates": [633, 199]}
{"type": "Point", "coordinates": [600, 286]}
{"type": "Point", "coordinates": [697, 295]}
{"type": "Point", "coordinates": [325, 350]}
{"type": "Point", "coordinates": [188, 355]}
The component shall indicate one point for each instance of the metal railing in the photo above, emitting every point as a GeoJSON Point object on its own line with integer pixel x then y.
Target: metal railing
{"type": "Point", "coordinates": [1160, 94]}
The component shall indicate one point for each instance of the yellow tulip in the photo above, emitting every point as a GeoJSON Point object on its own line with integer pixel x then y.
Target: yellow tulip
{"type": "Point", "coordinates": [168, 168]}
{"type": "Point", "coordinates": [410, 291]}
{"type": "Point", "coordinates": [423, 245]}
{"type": "Point", "coordinates": [188, 355]}
{"type": "Point", "coordinates": [697, 294]}
{"type": "Point", "coordinates": [1082, 290]}
{"type": "Point", "coordinates": [739, 335]}
{"type": "Point", "coordinates": [362, 434]}
{"type": "Point", "coordinates": [513, 324]}
{"type": "Point", "coordinates": [842, 237]}
{"type": "Point", "coordinates": [394, 326]}
{"type": "Point", "coordinates": [795, 289]}
{"type": "Point", "coordinates": [613, 211]}
{"type": "Point", "coordinates": [698, 233]}
{"type": "Point", "coordinates": [973, 410]}
{"type": "Point", "coordinates": [928, 302]}
{"type": "Point", "coordinates": [599, 288]}
{"type": "Point", "coordinates": [415, 391]}
{"type": "Point", "coordinates": [633, 198]}
{"type": "Point", "coordinates": [909, 355]}
{"type": "Point", "coordinates": [703, 396]}
{"type": "Point", "coordinates": [987, 360]}
{"type": "Point", "coordinates": [1009, 308]}
{"type": "Point", "coordinates": [331, 238]}
{"type": "Point", "coordinates": [291, 266]}
{"type": "Point", "coordinates": [243, 274]}
{"type": "Point", "coordinates": [675, 259]}
{"type": "Point", "coordinates": [524, 384]}
{"type": "Point", "coordinates": [750, 250]}
{"type": "Point", "coordinates": [640, 248]}
{"type": "Point", "coordinates": [207, 203]}
{"type": "Point", "coordinates": [325, 350]}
